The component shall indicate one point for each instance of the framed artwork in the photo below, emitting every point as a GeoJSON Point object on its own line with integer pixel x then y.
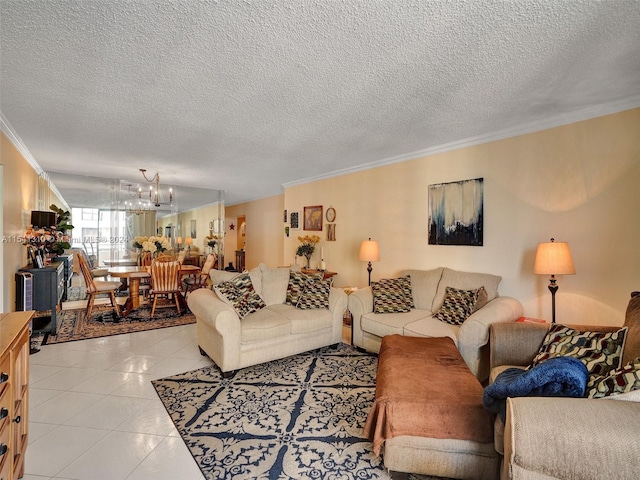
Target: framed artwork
{"type": "Point", "coordinates": [193, 229]}
{"type": "Point", "coordinates": [285, 216]}
{"type": "Point", "coordinates": [456, 213]}
{"type": "Point", "coordinates": [294, 220]}
{"type": "Point", "coordinates": [313, 218]}
{"type": "Point", "coordinates": [331, 232]}
{"type": "Point", "coordinates": [286, 231]}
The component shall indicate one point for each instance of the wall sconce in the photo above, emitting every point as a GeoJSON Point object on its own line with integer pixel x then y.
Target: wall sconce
{"type": "Point", "coordinates": [553, 258]}
{"type": "Point", "coordinates": [369, 252]}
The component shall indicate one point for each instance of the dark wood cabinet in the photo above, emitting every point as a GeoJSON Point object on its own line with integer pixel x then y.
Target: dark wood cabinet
{"type": "Point", "coordinates": [67, 260]}
{"type": "Point", "coordinates": [48, 291]}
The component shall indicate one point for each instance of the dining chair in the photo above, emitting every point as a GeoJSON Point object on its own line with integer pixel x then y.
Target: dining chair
{"type": "Point", "coordinates": [193, 282]}
{"type": "Point", "coordinates": [98, 287]}
{"type": "Point", "coordinates": [182, 255]}
{"type": "Point", "coordinates": [165, 283]}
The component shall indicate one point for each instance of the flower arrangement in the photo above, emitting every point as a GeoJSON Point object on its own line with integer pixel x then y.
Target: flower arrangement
{"type": "Point", "coordinates": [307, 247]}
{"type": "Point", "coordinates": [138, 240]}
{"type": "Point", "coordinates": [156, 244]}
{"type": "Point", "coordinates": [211, 240]}
{"type": "Point", "coordinates": [52, 239]}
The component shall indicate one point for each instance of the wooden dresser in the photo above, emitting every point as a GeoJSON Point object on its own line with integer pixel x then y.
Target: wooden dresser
{"type": "Point", "coordinates": [14, 392]}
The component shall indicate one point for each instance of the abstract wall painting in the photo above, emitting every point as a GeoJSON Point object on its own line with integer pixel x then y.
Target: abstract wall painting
{"type": "Point", "coordinates": [456, 213]}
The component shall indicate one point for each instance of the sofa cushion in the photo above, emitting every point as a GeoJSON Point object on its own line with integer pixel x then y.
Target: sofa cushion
{"type": "Point", "coordinates": [381, 324]}
{"type": "Point", "coordinates": [274, 284]}
{"type": "Point", "coordinates": [390, 296]}
{"type": "Point", "coordinates": [240, 294]}
{"type": "Point", "coordinates": [465, 281]}
{"type": "Point", "coordinates": [263, 325]}
{"type": "Point", "coordinates": [315, 295]}
{"type": "Point", "coordinates": [431, 327]}
{"type": "Point", "coordinates": [457, 305]}
{"type": "Point", "coordinates": [424, 285]}
{"type": "Point", "coordinates": [601, 352]}
{"type": "Point", "coordinates": [632, 320]}
{"type": "Point", "coordinates": [305, 321]}
{"type": "Point", "coordinates": [621, 380]}
{"type": "Point", "coordinates": [219, 276]}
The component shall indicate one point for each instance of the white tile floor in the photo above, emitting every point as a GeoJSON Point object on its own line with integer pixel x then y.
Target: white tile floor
{"type": "Point", "coordinates": [93, 413]}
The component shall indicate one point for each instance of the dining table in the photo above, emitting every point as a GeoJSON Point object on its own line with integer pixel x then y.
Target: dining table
{"type": "Point", "coordinates": [133, 274]}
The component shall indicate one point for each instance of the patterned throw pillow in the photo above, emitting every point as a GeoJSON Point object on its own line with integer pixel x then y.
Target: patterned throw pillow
{"type": "Point", "coordinates": [457, 305]}
{"type": "Point", "coordinates": [405, 284]}
{"type": "Point", "coordinates": [315, 295]}
{"type": "Point", "coordinates": [389, 297]}
{"type": "Point", "coordinates": [599, 351]}
{"type": "Point", "coordinates": [240, 294]}
{"type": "Point", "coordinates": [622, 380]}
{"type": "Point", "coordinates": [297, 283]}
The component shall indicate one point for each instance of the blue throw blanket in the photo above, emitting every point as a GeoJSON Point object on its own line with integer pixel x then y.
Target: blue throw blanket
{"type": "Point", "coordinates": [556, 377]}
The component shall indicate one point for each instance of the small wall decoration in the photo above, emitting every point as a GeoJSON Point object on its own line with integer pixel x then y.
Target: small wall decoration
{"type": "Point", "coordinates": [331, 232]}
{"type": "Point", "coordinates": [331, 214]}
{"type": "Point", "coordinates": [294, 220]}
{"type": "Point", "coordinates": [456, 214]}
{"type": "Point", "coordinates": [313, 218]}
{"type": "Point", "coordinates": [193, 229]}
{"type": "Point", "coordinates": [286, 231]}
{"type": "Point", "coordinates": [285, 216]}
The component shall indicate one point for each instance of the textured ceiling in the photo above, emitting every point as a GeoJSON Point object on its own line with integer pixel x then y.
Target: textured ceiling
{"type": "Point", "coordinates": [246, 96]}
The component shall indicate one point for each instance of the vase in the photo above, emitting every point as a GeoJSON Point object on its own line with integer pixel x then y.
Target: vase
{"type": "Point", "coordinates": [308, 267]}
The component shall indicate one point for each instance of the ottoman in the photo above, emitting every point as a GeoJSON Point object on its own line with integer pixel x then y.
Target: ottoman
{"type": "Point", "coordinates": [428, 417]}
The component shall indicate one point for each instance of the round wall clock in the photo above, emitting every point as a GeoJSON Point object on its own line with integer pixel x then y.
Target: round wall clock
{"type": "Point", "coordinates": [331, 214]}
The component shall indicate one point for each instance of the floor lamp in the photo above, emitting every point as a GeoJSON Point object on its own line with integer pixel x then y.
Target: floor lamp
{"type": "Point", "coordinates": [553, 258]}
{"type": "Point", "coordinates": [369, 252]}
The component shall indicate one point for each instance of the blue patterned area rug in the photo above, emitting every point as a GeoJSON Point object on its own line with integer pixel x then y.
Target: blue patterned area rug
{"type": "Point", "coordinates": [296, 418]}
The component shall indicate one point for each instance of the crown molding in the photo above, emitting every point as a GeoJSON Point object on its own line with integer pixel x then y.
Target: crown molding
{"type": "Point", "coordinates": [531, 127]}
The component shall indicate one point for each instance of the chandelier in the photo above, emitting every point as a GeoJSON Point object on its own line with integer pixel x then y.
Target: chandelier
{"type": "Point", "coordinates": [138, 208]}
{"type": "Point", "coordinates": [155, 197]}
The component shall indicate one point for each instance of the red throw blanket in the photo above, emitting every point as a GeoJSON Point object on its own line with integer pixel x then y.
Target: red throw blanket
{"type": "Point", "coordinates": [425, 389]}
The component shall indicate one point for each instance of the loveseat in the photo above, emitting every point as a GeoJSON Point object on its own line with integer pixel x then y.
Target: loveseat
{"type": "Point", "coordinates": [428, 289]}
{"type": "Point", "coordinates": [294, 313]}
{"type": "Point", "coordinates": [569, 438]}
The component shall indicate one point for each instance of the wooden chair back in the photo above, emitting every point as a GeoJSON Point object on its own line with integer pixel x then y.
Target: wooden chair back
{"type": "Point", "coordinates": [86, 274]}
{"type": "Point", "coordinates": [144, 259]}
{"type": "Point", "coordinates": [165, 276]}
{"type": "Point", "coordinates": [208, 264]}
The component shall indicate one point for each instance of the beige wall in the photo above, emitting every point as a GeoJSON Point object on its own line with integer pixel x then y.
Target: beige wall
{"type": "Point", "coordinates": [264, 232]}
{"type": "Point", "coordinates": [20, 197]}
{"type": "Point", "coordinates": [577, 183]}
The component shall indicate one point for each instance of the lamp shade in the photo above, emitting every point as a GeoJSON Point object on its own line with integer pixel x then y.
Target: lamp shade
{"type": "Point", "coordinates": [179, 240]}
{"type": "Point", "coordinates": [189, 241]}
{"type": "Point", "coordinates": [554, 258]}
{"type": "Point", "coordinates": [369, 251]}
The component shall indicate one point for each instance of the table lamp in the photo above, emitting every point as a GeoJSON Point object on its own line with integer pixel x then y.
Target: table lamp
{"type": "Point", "coordinates": [369, 252]}
{"type": "Point", "coordinates": [179, 242]}
{"type": "Point", "coordinates": [189, 242]}
{"type": "Point", "coordinates": [553, 258]}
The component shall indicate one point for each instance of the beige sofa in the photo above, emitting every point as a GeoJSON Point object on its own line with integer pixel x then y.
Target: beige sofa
{"type": "Point", "coordinates": [566, 438]}
{"type": "Point", "coordinates": [274, 332]}
{"type": "Point", "coordinates": [428, 290]}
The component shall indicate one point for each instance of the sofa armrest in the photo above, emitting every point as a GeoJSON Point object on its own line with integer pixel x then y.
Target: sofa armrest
{"type": "Point", "coordinates": [474, 332]}
{"type": "Point", "coordinates": [360, 303]}
{"type": "Point", "coordinates": [218, 328]}
{"type": "Point", "coordinates": [571, 438]}
{"type": "Point", "coordinates": [516, 343]}
{"type": "Point", "coordinates": [338, 300]}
